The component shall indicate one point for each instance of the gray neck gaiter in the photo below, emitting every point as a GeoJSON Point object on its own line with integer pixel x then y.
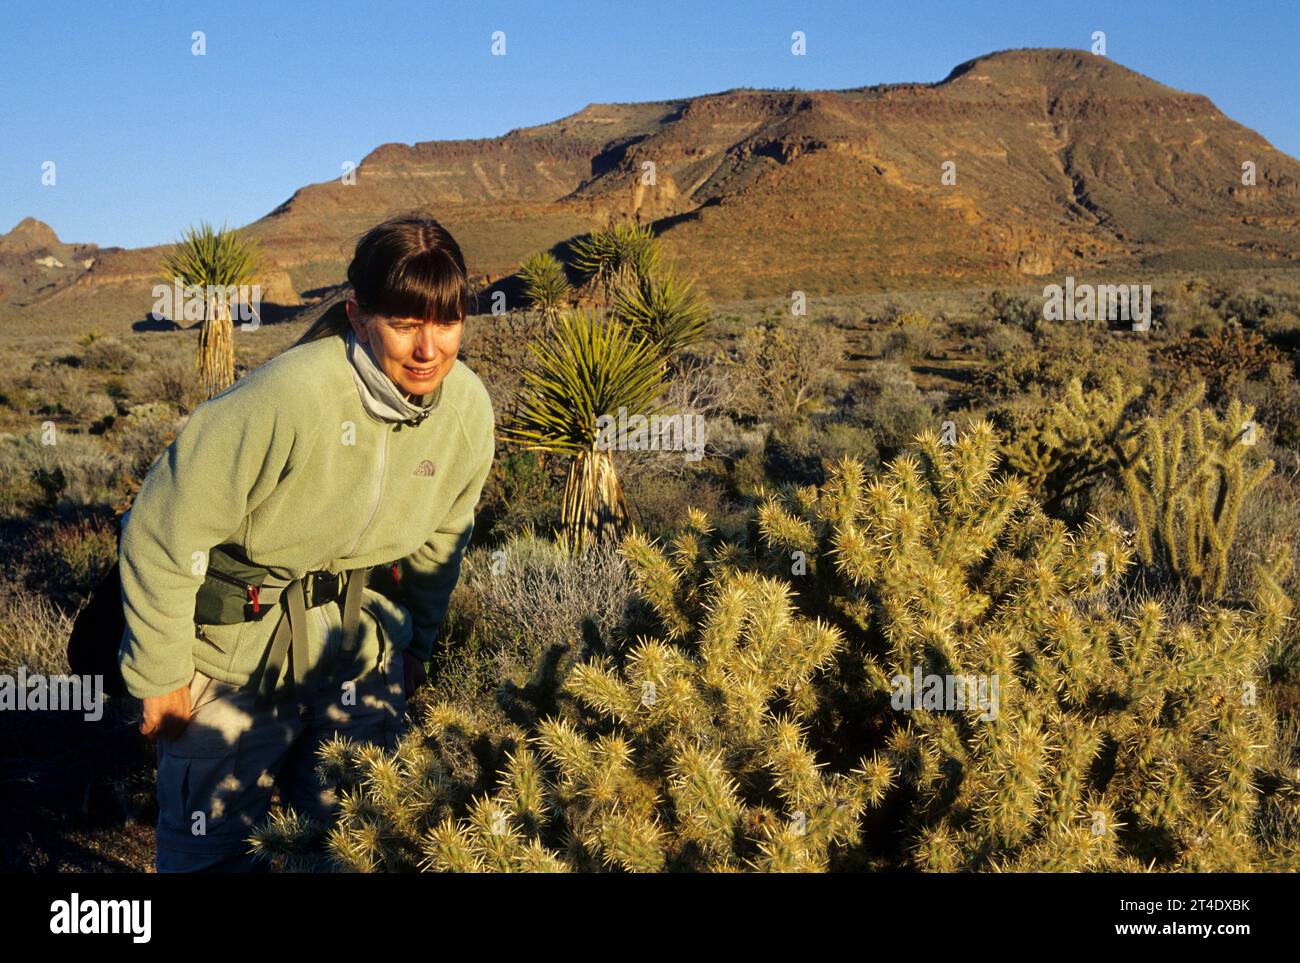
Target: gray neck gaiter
{"type": "Point", "coordinates": [379, 395]}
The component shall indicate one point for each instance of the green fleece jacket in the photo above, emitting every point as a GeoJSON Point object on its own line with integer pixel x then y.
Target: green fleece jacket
{"type": "Point", "coordinates": [289, 465]}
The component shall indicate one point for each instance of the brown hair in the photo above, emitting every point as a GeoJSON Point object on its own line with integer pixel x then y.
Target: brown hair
{"type": "Point", "coordinates": [407, 267]}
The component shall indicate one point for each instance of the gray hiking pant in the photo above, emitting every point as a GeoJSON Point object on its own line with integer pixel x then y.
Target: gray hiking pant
{"type": "Point", "coordinates": [215, 781]}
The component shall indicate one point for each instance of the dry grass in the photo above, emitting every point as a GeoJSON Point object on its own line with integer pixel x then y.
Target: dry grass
{"type": "Point", "coordinates": [33, 633]}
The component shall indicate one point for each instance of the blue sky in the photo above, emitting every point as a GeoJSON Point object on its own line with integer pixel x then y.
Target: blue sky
{"type": "Point", "coordinates": [148, 138]}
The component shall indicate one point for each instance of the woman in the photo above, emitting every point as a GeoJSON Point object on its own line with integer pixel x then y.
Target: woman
{"type": "Point", "coordinates": [366, 444]}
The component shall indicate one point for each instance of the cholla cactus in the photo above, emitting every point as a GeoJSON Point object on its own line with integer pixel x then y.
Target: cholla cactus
{"type": "Point", "coordinates": [1186, 484]}
{"type": "Point", "coordinates": [760, 725]}
{"type": "Point", "coordinates": [1186, 471]}
{"type": "Point", "coordinates": [1119, 739]}
{"type": "Point", "coordinates": [1061, 449]}
{"type": "Point", "coordinates": [680, 760]}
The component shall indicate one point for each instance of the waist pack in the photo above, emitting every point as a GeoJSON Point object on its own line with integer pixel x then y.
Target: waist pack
{"type": "Point", "coordinates": [233, 590]}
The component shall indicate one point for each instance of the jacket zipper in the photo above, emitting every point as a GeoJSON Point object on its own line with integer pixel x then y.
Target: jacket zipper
{"type": "Point", "coordinates": [379, 488]}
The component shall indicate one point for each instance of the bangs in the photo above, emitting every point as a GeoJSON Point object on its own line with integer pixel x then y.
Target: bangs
{"type": "Point", "coordinates": [428, 285]}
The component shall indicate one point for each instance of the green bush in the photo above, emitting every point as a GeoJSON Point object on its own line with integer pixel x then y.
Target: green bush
{"type": "Point", "coordinates": [71, 558]}
{"type": "Point", "coordinates": [1059, 354]}
{"type": "Point", "coordinates": [802, 452]}
{"type": "Point", "coordinates": [521, 492]}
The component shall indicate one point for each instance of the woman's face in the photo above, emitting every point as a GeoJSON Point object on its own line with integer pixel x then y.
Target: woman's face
{"type": "Point", "coordinates": [415, 354]}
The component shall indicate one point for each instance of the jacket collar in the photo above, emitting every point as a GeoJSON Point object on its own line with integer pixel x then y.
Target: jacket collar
{"type": "Point", "coordinates": [379, 395]}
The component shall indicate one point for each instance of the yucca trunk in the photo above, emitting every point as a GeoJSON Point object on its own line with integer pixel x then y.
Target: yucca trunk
{"type": "Point", "coordinates": [216, 358]}
{"type": "Point", "coordinates": [593, 509]}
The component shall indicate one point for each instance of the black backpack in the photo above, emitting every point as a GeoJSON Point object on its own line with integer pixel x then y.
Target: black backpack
{"type": "Point", "coordinates": [97, 634]}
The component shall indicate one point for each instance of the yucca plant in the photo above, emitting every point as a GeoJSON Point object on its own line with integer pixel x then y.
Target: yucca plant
{"type": "Point", "coordinates": [610, 254]}
{"type": "Point", "coordinates": [663, 307]}
{"type": "Point", "coordinates": [590, 366]}
{"type": "Point", "coordinates": [545, 285]}
{"type": "Point", "coordinates": [214, 261]}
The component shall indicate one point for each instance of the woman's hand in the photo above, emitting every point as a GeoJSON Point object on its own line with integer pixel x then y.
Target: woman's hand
{"type": "Point", "coordinates": [166, 715]}
{"type": "Point", "coordinates": [413, 670]}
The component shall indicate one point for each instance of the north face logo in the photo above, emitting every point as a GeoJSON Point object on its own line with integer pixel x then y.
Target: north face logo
{"type": "Point", "coordinates": [426, 468]}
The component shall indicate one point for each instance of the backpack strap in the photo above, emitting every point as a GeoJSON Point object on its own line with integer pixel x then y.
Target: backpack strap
{"type": "Point", "coordinates": [292, 624]}
{"type": "Point", "coordinates": [353, 593]}
{"type": "Point", "coordinates": [289, 642]}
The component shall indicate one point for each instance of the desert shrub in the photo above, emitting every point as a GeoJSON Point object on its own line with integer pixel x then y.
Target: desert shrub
{"type": "Point", "coordinates": [758, 721]}
{"type": "Point", "coordinates": [885, 399]}
{"type": "Point", "coordinates": [496, 347]}
{"type": "Point", "coordinates": [86, 548]}
{"type": "Point", "coordinates": [1061, 353]}
{"type": "Point", "coordinates": [66, 393]}
{"type": "Point", "coordinates": [977, 329]}
{"type": "Point", "coordinates": [97, 411]}
{"type": "Point", "coordinates": [72, 558]}
{"type": "Point", "coordinates": [18, 489]}
{"type": "Point", "coordinates": [802, 452]}
{"type": "Point", "coordinates": [1225, 361]}
{"type": "Point", "coordinates": [1275, 395]}
{"type": "Point", "coordinates": [144, 434]}
{"type": "Point", "coordinates": [1203, 307]}
{"type": "Point", "coordinates": [109, 354]}
{"type": "Point", "coordinates": [117, 389]}
{"type": "Point", "coordinates": [76, 472]}
{"type": "Point", "coordinates": [1015, 311]}
{"type": "Point", "coordinates": [1250, 310]}
{"type": "Point", "coordinates": [1266, 530]}
{"type": "Point", "coordinates": [748, 473]}
{"type": "Point", "coordinates": [908, 335]}
{"type": "Point", "coordinates": [657, 499]}
{"type": "Point", "coordinates": [12, 393]}
{"type": "Point", "coordinates": [1006, 341]}
{"type": "Point", "coordinates": [1186, 308]}
{"type": "Point", "coordinates": [784, 369]}
{"type": "Point", "coordinates": [521, 491]}
{"type": "Point", "coordinates": [699, 393]}
{"type": "Point", "coordinates": [522, 603]}
{"type": "Point", "coordinates": [171, 380]}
